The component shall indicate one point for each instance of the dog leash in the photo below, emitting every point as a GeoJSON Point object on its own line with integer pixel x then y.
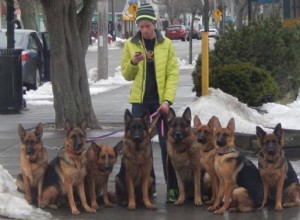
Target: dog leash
{"type": "Point", "coordinates": [152, 117]}
{"type": "Point", "coordinates": [101, 137]}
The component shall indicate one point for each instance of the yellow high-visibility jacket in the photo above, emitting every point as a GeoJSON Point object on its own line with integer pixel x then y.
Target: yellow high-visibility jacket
{"type": "Point", "coordinates": [166, 68]}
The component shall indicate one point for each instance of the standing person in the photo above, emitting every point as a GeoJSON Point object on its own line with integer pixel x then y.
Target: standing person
{"type": "Point", "coordinates": [149, 60]}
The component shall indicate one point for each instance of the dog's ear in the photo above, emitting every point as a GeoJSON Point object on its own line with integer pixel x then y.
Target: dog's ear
{"type": "Point", "coordinates": [118, 147]}
{"type": "Point", "coordinates": [127, 116]}
{"type": "Point", "coordinates": [279, 133]}
{"type": "Point", "coordinates": [83, 125]}
{"type": "Point", "coordinates": [171, 114]}
{"type": "Point", "coordinates": [22, 132]}
{"type": "Point", "coordinates": [68, 126]}
{"type": "Point", "coordinates": [214, 123]}
{"type": "Point", "coordinates": [96, 148]}
{"type": "Point", "coordinates": [197, 121]}
{"type": "Point", "coordinates": [39, 130]}
{"type": "Point", "coordinates": [260, 133]}
{"type": "Point", "coordinates": [231, 125]}
{"type": "Point", "coordinates": [187, 115]}
{"type": "Point", "coordinates": [146, 116]}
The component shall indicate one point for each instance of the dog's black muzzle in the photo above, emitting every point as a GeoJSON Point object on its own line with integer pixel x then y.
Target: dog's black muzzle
{"type": "Point", "coordinates": [77, 144]}
{"type": "Point", "coordinates": [271, 149]}
{"type": "Point", "coordinates": [201, 139]}
{"type": "Point", "coordinates": [221, 141]}
{"type": "Point", "coordinates": [29, 150]}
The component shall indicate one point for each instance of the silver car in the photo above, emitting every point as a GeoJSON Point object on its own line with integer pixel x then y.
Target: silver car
{"type": "Point", "coordinates": [35, 56]}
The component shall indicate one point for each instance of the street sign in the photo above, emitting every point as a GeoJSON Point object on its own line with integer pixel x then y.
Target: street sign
{"type": "Point", "coordinates": [133, 9]}
{"type": "Point", "coordinates": [218, 15]}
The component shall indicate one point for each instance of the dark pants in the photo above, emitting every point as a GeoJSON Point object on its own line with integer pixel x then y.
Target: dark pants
{"type": "Point", "coordinates": [169, 173]}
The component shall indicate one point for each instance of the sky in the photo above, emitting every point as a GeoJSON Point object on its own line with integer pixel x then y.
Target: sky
{"type": "Point", "coordinates": [12, 203]}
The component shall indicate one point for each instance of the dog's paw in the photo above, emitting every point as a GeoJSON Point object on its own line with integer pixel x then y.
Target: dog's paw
{"type": "Point", "coordinates": [209, 202]}
{"type": "Point", "coordinates": [131, 206]}
{"type": "Point", "coordinates": [75, 211]}
{"type": "Point", "coordinates": [89, 209]}
{"type": "Point", "coordinates": [150, 206]}
{"type": "Point", "coordinates": [94, 205]}
{"type": "Point", "coordinates": [220, 211]}
{"type": "Point", "coordinates": [108, 204]}
{"type": "Point", "coordinates": [212, 208]}
{"type": "Point", "coordinates": [52, 206]}
{"type": "Point", "coordinates": [278, 208]}
{"type": "Point", "coordinates": [198, 202]}
{"type": "Point", "coordinates": [28, 199]}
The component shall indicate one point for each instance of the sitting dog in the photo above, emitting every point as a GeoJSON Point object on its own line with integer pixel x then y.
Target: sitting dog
{"type": "Point", "coordinates": [184, 155]}
{"type": "Point", "coordinates": [100, 162]}
{"type": "Point", "coordinates": [133, 182]}
{"type": "Point", "coordinates": [279, 179]}
{"type": "Point", "coordinates": [67, 171]}
{"type": "Point", "coordinates": [240, 181]}
{"type": "Point", "coordinates": [33, 163]}
{"type": "Point", "coordinates": [206, 139]}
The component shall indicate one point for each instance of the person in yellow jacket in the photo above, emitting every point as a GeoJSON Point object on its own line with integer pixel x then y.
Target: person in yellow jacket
{"type": "Point", "coordinates": [150, 61]}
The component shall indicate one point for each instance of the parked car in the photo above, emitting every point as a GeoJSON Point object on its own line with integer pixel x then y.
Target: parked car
{"type": "Point", "coordinates": [35, 55]}
{"type": "Point", "coordinates": [176, 32]}
{"type": "Point", "coordinates": [212, 32]}
{"type": "Point", "coordinates": [195, 34]}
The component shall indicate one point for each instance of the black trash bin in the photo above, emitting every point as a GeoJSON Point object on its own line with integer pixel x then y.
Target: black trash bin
{"type": "Point", "coordinates": [11, 85]}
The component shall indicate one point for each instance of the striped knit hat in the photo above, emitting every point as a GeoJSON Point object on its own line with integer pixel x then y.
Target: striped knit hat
{"type": "Point", "coordinates": [145, 11]}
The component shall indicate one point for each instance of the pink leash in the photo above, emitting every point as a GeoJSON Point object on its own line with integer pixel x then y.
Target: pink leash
{"type": "Point", "coordinates": [162, 130]}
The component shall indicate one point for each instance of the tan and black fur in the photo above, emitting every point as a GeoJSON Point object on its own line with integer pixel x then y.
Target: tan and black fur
{"type": "Point", "coordinates": [133, 182]}
{"type": "Point", "coordinates": [101, 159]}
{"type": "Point", "coordinates": [33, 163]}
{"type": "Point", "coordinates": [184, 154]}
{"type": "Point", "coordinates": [205, 136]}
{"type": "Point", "coordinates": [240, 186]}
{"type": "Point", "coordinates": [280, 181]}
{"type": "Point", "coordinates": [67, 171]}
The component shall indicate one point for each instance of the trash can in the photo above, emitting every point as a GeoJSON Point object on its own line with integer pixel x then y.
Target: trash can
{"type": "Point", "coordinates": [11, 85]}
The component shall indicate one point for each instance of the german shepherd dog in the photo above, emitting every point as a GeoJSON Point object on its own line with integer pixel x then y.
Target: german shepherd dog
{"type": "Point", "coordinates": [133, 182]}
{"type": "Point", "coordinates": [100, 162]}
{"type": "Point", "coordinates": [239, 178]}
{"type": "Point", "coordinates": [33, 163]}
{"type": "Point", "coordinates": [184, 154]}
{"type": "Point", "coordinates": [278, 176]}
{"type": "Point", "coordinates": [207, 142]}
{"type": "Point", "coordinates": [67, 171]}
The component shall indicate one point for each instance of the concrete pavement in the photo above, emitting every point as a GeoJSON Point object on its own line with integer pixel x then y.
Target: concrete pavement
{"type": "Point", "coordinates": [109, 109]}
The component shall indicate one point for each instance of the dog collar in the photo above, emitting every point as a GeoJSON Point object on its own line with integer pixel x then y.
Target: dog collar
{"type": "Point", "coordinates": [70, 151]}
{"type": "Point", "coordinates": [227, 150]}
{"type": "Point", "coordinates": [208, 148]}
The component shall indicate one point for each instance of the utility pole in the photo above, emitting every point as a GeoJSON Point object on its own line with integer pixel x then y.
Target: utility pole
{"type": "Point", "coordinates": [102, 39]}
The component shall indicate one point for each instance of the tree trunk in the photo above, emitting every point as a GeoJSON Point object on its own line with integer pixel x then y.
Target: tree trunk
{"type": "Point", "coordinates": [69, 32]}
{"type": "Point", "coordinates": [28, 14]}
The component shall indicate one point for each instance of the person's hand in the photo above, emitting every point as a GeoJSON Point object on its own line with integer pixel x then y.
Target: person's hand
{"type": "Point", "coordinates": [164, 107]}
{"type": "Point", "coordinates": [137, 57]}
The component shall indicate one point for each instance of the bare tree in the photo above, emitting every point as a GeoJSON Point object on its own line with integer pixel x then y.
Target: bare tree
{"type": "Point", "coordinates": [69, 32]}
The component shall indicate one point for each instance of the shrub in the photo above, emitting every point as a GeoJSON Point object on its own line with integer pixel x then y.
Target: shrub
{"type": "Point", "coordinates": [266, 44]}
{"type": "Point", "coordinates": [250, 84]}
